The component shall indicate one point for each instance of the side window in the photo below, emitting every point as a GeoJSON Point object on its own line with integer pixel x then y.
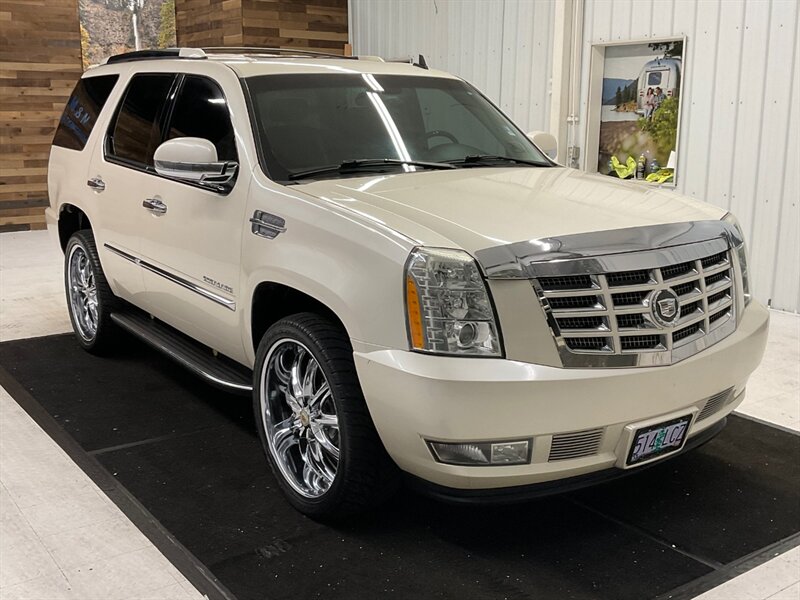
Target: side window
{"type": "Point", "coordinates": [82, 110]}
{"type": "Point", "coordinates": [201, 111]}
{"type": "Point", "coordinates": [136, 130]}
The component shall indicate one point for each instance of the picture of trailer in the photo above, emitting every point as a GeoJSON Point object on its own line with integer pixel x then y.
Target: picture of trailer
{"type": "Point", "coordinates": [660, 72]}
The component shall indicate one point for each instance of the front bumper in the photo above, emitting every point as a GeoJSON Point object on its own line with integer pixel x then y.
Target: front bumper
{"type": "Point", "coordinates": [521, 493]}
{"type": "Point", "coordinates": [415, 397]}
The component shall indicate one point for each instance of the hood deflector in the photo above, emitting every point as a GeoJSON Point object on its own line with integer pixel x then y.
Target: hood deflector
{"type": "Point", "coordinates": [525, 260]}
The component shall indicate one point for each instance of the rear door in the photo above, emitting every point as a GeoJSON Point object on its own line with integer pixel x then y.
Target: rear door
{"type": "Point", "coordinates": [193, 250]}
{"type": "Point", "coordinates": [120, 165]}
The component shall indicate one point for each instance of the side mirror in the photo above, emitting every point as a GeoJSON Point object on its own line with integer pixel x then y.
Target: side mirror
{"type": "Point", "coordinates": [546, 142]}
{"type": "Point", "coordinates": [194, 159]}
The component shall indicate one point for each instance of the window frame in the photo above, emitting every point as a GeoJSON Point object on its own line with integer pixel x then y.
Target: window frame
{"type": "Point", "coordinates": [164, 120]}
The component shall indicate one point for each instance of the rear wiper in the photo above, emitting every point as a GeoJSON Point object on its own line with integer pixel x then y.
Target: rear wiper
{"type": "Point", "coordinates": [356, 165]}
{"type": "Point", "coordinates": [482, 159]}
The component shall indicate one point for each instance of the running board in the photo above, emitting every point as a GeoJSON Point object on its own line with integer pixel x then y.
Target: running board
{"type": "Point", "coordinates": [191, 354]}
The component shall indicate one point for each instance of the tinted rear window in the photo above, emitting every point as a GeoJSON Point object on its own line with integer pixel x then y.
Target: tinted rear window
{"type": "Point", "coordinates": [137, 129]}
{"type": "Point", "coordinates": [82, 110]}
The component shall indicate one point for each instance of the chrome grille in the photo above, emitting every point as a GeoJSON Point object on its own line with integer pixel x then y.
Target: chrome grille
{"type": "Point", "coordinates": [566, 446]}
{"type": "Point", "coordinates": [610, 313]}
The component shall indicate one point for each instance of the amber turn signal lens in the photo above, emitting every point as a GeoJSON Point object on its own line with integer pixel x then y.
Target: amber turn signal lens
{"type": "Point", "coordinates": [414, 314]}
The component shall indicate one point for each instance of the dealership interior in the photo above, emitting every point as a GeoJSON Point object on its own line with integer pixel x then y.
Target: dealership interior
{"type": "Point", "coordinates": [402, 332]}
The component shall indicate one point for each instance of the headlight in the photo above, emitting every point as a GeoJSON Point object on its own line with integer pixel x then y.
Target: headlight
{"type": "Point", "coordinates": [448, 306]}
{"type": "Point", "coordinates": [741, 255]}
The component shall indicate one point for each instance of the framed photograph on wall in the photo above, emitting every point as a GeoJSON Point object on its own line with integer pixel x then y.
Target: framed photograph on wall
{"type": "Point", "coordinates": [635, 110]}
{"type": "Point", "coordinates": [111, 27]}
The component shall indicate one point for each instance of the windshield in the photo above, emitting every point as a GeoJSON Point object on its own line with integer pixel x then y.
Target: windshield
{"type": "Point", "coordinates": [313, 122]}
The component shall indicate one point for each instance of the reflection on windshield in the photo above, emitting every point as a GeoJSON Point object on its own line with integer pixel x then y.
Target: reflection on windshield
{"type": "Point", "coordinates": [313, 122]}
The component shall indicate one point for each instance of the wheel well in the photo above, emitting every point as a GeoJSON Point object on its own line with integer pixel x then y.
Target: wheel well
{"type": "Point", "coordinates": [274, 301]}
{"type": "Point", "coordinates": [71, 219]}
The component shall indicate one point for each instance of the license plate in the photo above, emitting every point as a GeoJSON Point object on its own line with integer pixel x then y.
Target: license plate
{"type": "Point", "coordinates": [657, 440]}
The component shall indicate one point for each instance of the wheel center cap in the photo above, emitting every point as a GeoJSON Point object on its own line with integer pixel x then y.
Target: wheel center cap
{"type": "Point", "coordinates": [305, 419]}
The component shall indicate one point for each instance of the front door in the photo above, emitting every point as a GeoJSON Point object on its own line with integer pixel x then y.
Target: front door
{"type": "Point", "coordinates": [191, 244]}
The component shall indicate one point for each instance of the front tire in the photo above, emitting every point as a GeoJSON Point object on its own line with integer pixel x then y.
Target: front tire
{"type": "Point", "coordinates": [313, 421]}
{"type": "Point", "coordinates": [90, 300]}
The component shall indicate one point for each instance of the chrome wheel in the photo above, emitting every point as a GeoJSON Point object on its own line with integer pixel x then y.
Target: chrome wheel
{"type": "Point", "coordinates": [299, 415]}
{"type": "Point", "coordinates": [82, 292]}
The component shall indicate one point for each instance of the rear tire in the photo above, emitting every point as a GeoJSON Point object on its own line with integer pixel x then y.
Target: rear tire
{"type": "Point", "coordinates": [90, 300]}
{"type": "Point", "coordinates": [313, 422]}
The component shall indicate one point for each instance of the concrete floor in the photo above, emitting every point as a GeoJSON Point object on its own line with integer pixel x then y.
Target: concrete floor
{"type": "Point", "coordinates": [60, 536]}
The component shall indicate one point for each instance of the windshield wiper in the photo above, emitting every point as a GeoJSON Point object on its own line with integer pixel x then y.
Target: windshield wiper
{"type": "Point", "coordinates": [366, 164]}
{"type": "Point", "coordinates": [483, 159]}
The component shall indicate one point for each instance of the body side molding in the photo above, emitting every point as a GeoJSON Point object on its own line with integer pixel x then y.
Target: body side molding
{"type": "Point", "coordinates": [221, 300]}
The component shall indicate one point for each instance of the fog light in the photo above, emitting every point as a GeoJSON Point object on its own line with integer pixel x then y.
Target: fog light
{"type": "Point", "coordinates": [510, 453]}
{"type": "Point", "coordinates": [482, 453]}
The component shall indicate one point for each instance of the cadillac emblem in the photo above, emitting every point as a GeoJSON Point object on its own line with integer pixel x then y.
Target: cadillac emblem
{"type": "Point", "coordinates": [665, 307]}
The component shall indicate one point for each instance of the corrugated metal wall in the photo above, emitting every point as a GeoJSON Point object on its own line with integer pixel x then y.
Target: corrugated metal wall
{"type": "Point", "coordinates": [503, 47]}
{"type": "Point", "coordinates": [739, 146]}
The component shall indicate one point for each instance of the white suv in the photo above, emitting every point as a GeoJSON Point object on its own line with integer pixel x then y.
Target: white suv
{"type": "Point", "coordinates": [404, 282]}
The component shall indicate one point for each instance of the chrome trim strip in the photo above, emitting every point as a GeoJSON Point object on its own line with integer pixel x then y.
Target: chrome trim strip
{"type": "Point", "coordinates": [217, 167]}
{"type": "Point", "coordinates": [124, 255]}
{"type": "Point", "coordinates": [525, 260]}
{"type": "Point", "coordinates": [229, 304]}
{"type": "Point", "coordinates": [221, 300]}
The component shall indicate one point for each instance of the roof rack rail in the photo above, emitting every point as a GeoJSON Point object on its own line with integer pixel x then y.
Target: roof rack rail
{"type": "Point", "coordinates": [409, 60]}
{"type": "Point", "coordinates": [273, 51]}
{"type": "Point", "coordinates": [204, 52]}
{"type": "Point", "coordinates": [151, 54]}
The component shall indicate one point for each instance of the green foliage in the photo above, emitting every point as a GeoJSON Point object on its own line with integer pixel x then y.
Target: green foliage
{"type": "Point", "coordinates": [663, 126]}
{"type": "Point", "coordinates": [670, 49]}
{"type": "Point", "coordinates": [618, 96]}
{"type": "Point", "coordinates": [166, 31]}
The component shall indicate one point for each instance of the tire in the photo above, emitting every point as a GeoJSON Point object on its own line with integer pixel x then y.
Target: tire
{"type": "Point", "coordinates": [90, 300]}
{"type": "Point", "coordinates": [295, 422]}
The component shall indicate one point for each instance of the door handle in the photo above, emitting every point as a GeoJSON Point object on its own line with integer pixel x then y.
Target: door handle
{"type": "Point", "coordinates": [97, 184]}
{"type": "Point", "coordinates": [155, 206]}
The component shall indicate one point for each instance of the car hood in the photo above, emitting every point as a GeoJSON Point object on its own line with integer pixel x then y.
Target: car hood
{"type": "Point", "coordinates": [478, 208]}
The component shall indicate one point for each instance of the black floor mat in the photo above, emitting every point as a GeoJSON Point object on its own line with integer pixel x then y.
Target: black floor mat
{"type": "Point", "coordinates": [190, 456]}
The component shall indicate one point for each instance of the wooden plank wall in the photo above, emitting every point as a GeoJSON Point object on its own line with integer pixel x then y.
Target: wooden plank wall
{"type": "Point", "coordinates": [208, 22]}
{"type": "Point", "coordinates": [40, 61]}
{"type": "Point", "coordinates": [314, 24]}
